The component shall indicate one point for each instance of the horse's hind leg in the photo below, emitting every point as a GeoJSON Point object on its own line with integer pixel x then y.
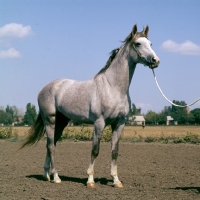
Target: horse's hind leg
{"type": "Point", "coordinates": [61, 123]}
{"type": "Point", "coordinates": [54, 132]}
{"type": "Point", "coordinates": [47, 167]}
{"type": "Point", "coordinates": [50, 157]}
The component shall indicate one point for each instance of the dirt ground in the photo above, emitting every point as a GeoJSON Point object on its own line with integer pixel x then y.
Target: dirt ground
{"type": "Point", "coordinates": [148, 171]}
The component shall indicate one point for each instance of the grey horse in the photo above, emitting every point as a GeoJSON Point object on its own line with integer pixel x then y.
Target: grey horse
{"type": "Point", "coordinates": [103, 100]}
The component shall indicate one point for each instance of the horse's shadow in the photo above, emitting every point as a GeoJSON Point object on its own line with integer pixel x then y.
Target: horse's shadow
{"type": "Point", "coordinates": [102, 181]}
{"type": "Point", "coordinates": [197, 189]}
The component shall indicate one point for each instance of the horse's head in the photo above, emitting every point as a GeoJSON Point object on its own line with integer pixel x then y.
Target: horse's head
{"type": "Point", "coordinates": [140, 48]}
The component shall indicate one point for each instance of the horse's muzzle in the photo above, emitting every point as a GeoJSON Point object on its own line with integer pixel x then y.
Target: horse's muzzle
{"type": "Point", "coordinates": [154, 62]}
{"type": "Point", "coordinates": [152, 66]}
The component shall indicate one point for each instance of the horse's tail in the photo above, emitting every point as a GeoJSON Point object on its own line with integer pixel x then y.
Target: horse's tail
{"type": "Point", "coordinates": [35, 133]}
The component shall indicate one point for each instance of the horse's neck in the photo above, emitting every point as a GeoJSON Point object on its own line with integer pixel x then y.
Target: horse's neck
{"type": "Point", "coordinates": [121, 70]}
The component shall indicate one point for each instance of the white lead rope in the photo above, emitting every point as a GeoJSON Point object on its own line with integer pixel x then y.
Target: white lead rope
{"type": "Point", "coordinates": [168, 99]}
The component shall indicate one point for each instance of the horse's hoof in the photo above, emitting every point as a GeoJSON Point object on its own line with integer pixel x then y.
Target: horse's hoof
{"type": "Point", "coordinates": [46, 178]}
{"type": "Point", "coordinates": [57, 181]}
{"type": "Point", "coordinates": [91, 185]}
{"type": "Point", "coordinates": [118, 185]}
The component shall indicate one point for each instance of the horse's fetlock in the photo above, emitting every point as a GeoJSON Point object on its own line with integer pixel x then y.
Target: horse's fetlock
{"type": "Point", "coordinates": [54, 171]}
{"type": "Point", "coordinates": [90, 172]}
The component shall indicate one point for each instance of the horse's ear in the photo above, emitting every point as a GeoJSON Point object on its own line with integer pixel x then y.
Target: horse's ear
{"type": "Point", "coordinates": [146, 31]}
{"type": "Point", "coordinates": [134, 30]}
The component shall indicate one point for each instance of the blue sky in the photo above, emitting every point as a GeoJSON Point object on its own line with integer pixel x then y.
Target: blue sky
{"type": "Point", "coordinates": [44, 40]}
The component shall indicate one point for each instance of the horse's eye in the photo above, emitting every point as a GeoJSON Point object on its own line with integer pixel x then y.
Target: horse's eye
{"type": "Point", "coordinates": [137, 44]}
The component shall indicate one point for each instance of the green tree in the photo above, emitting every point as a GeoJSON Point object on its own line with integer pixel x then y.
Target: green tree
{"type": "Point", "coordinates": [10, 113]}
{"type": "Point", "coordinates": [178, 113]}
{"type": "Point", "coordinates": [167, 110]}
{"type": "Point", "coordinates": [30, 114]}
{"type": "Point", "coordinates": [190, 118]}
{"type": "Point", "coordinates": [132, 110]}
{"type": "Point", "coordinates": [196, 115]}
{"type": "Point", "coordinates": [2, 116]}
{"type": "Point", "coordinates": [151, 117]}
{"type": "Point", "coordinates": [8, 119]}
{"type": "Point", "coordinates": [6, 116]}
{"type": "Point", "coordinates": [161, 117]}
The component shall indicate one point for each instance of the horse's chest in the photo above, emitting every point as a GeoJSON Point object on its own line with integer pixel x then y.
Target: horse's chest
{"type": "Point", "coordinates": [117, 108]}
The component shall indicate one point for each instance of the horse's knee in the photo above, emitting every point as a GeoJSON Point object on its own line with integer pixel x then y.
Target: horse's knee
{"type": "Point", "coordinates": [50, 147]}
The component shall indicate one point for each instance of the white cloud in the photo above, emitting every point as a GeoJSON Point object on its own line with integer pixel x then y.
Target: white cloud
{"type": "Point", "coordinates": [14, 30]}
{"type": "Point", "coordinates": [187, 47]}
{"type": "Point", "coordinates": [9, 32]}
{"type": "Point", "coordinates": [10, 53]}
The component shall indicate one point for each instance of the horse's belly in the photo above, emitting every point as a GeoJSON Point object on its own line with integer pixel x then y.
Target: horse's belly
{"type": "Point", "coordinates": [77, 112]}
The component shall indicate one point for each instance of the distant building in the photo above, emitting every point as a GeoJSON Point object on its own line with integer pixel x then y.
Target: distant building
{"type": "Point", "coordinates": [136, 120]}
{"type": "Point", "coordinates": [170, 121]}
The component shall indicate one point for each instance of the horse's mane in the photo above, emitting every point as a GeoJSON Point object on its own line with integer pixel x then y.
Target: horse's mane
{"type": "Point", "coordinates": [114, 52]}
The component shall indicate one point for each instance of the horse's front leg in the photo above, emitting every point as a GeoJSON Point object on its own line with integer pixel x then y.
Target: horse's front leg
{"type": "Point", "coordinates": [98, 129]}
{"type": "Point", "coordinates": [117, 130]}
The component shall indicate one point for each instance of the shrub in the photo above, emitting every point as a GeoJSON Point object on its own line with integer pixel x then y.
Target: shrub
{"type": "Point", "coordinates": [5, 132]}
{"type": "Point", "coordinates": [83, 135]}
{"type": "Point", "coordinates": [8, 132]}
{"type": "Point", "coordinates": [179, 140]}
{"type": "Point", "coordinates": [149, 139]}
{"type": "Point", "coordinates": [107, 134]}
{"type": "Point", "coordinates": [163, 140]}
{"type": "Point", "coordinates": [192, 138]}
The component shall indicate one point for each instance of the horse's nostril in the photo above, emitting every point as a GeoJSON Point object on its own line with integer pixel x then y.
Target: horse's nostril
{"type": "Point", "coordinates": [153, 60]}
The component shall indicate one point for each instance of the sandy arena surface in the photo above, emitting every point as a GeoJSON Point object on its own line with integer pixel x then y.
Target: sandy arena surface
{"type": "Point", "coordinates": [148, 171]}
